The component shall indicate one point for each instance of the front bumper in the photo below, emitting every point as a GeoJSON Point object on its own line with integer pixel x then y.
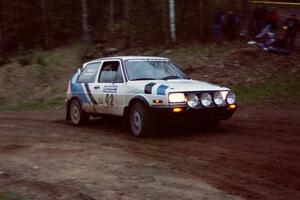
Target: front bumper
{"type": "Point", "coordinates": [187, 113]}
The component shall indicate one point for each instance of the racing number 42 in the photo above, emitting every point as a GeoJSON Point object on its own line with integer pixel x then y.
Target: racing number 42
{"type": "Point", "coordinates": [109, 100]}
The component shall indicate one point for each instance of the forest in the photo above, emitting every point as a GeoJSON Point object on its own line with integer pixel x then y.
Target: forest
{"type": "Point", "coordinates": [47, 24]}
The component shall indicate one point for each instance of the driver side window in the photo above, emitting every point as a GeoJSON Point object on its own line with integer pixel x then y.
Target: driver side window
{"type": "Point", "coordinates": [111, 72]}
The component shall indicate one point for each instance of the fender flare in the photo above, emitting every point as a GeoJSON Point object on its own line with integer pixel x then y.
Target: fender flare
{"type": "Point", "coordinates": [138, 98]}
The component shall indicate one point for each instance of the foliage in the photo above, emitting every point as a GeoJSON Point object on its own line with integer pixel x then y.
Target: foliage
{"type": "Point", "coordinates": [11, 196]}
{"type": "Point", "coordinates": [285, 90]}
{"type": "Point", "coordinates": [48, 24]}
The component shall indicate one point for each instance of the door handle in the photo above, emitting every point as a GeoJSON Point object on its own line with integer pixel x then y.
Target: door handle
{"type": "Point", "coordinates": [97, 87]}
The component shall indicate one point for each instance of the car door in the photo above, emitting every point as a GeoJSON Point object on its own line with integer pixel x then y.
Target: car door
{"type": "Point", "coordinates": [108, 89]}
{"type": "Point", "coordinates": [86, 81]}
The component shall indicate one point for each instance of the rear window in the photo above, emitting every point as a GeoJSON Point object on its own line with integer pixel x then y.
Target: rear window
{"type": "Point", "coordinates": [88, 75]}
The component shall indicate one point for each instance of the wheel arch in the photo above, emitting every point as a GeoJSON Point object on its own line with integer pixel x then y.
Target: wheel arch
{"type": "Point", "coordinates": [139, 99]}
{"type": "Point", "coordinates": [68, 116]}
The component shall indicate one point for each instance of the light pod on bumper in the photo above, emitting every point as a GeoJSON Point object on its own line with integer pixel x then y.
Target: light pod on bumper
{"type": "Point", "coordinates": [231, 98]}
{"type": "Point", "coordinates": [218, 99]}
{"type": "Point", "coordinates": [192, 100]}
{"type": "Point", "coordinates": [206, 99]}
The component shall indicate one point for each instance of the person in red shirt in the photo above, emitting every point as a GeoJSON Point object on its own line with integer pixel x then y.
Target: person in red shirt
{"type": "Point", "coordinates": [291, 26]}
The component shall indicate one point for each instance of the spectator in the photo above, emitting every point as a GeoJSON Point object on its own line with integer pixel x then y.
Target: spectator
{"type": "Point", "coordinates": [291, 26]}
{"type": "Point", "coordinates": [273, 19]}
{"type": "Point", "coordinates": [218, 23]}
{"type": "Point", "coordinates": [271, 23]}
{"type": "Point", "coordinates": [260, 15]}
{"type": "Point", "coordinates": [231, 25]}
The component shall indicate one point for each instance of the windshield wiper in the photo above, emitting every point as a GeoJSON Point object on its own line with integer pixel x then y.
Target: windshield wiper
{"type": "Point", "coordinates": [141, 79]}
{"type": "Point", "coordinates": [170, 77]}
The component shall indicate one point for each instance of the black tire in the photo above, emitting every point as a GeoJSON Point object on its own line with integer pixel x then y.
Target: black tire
{"type": "Point", "coordinates": [140, 120]}
{"type": "Point", "coordinates": [77, 115]}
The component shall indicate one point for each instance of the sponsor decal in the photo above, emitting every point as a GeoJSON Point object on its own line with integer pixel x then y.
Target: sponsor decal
{"type": "Point", "coordinates": [161, 90]}
{"type": "Point", "coordinates": [148, 88]}
{"type": "Point", "coordinates": [110, 88]}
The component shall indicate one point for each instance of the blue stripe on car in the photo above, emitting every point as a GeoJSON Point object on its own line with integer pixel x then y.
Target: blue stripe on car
{"type": "Point", "coordinates": [161, 90]}
{"type": "Point", "coordinates": [77, 90]}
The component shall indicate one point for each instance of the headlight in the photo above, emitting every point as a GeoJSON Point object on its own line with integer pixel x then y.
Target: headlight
{"type": "Point", "coordinates": [176, 97]}
{"type": "Point", "coordinates": [206, 99]}
{"type": "Point", "coordinates": [218, 99]}
{"type": "Point", "coordinates": [192, 100]}
{"type": "Point", "coordinates": [231, 98]}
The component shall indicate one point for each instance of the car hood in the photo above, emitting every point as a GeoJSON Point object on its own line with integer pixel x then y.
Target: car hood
{"type": "Point", "coordinates": [181, 85]}
{"type": "Point", "coordinates": [191, 85]}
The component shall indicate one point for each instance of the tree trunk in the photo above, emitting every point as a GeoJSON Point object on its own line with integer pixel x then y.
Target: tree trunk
{"type": "Point", "coordinates": [2, 55]}
{"type": "Point", "coordinates": [45, 19]}
{"type": "Point", "coordinates": [164, 16]}
{"type": "Point", "coordinates": [201, 20]}
{"type": "Point", "coordinates": [172, 20]}
{"type": "Point", "coordinates": [127, 11]}
{"type": "Point", "coordinates": [111, 20]}
{"type": "Point", "coordinates": [84, 21]}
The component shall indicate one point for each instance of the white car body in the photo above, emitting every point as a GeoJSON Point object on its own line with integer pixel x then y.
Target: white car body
{"type": "Point", "coordinates": [113, 98]}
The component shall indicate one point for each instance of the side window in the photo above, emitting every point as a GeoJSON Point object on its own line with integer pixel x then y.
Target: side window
{"type": "Point", "coordinates": [111, 72]}
{"type": "Point", "coordinates": [89, 73]}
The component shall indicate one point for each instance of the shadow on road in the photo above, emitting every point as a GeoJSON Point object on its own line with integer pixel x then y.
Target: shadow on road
{"type": "Point", "coordinates": [115, 126]}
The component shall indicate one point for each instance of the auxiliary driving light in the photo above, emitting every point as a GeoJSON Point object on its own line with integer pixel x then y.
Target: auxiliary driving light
{"type": "Point", "coordinates": [218, 99]}
{"type": "Point", "coordinates": [231, 98]}
{"type": "Point", "coordinates": [206, 99]}
{"type": "Point", "coordinates": [192, 100]}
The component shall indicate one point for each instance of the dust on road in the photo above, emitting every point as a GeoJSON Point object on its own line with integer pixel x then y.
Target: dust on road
{"type": "Point", "coordinates": [255, 155]}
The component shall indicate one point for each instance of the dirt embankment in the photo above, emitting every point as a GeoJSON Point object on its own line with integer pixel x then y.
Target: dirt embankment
{"type": "Point", "coordinates": [255, 155]}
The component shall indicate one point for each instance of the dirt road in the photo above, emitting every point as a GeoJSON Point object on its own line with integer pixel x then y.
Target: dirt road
{"type": "Point", "coordinates": [255, 155]}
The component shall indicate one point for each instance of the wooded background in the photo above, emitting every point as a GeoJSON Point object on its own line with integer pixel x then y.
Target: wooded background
{"type": "Point", "coordinates": [27, 24]}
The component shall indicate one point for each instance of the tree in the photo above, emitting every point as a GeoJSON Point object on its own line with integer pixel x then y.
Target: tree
{"type": "Point", "coordinates": [172, 20]}
{"type": "Point", "coordinates": [45, 21]}
{"type": "Point", "coordinates": [1, 33]}
{"type": "Point", "coordinates": [84, 21]}
{"type": "Point", "coordinates": [111, 19]}
{"type": "Point", "coordinates": [127, 9]}
{"type": "Point", "coordinates": [165, 23]}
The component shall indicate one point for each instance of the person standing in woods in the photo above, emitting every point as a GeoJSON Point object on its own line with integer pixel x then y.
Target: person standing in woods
{"type": "Point", "coordinates": [231, 25]}
{"type": "Point", "coordinates": [217, 25]}
{"type": "Point", "coordinates": [259, 16]}
{"type": "Point", "coordinates": [291, 26]}
{"type": "Point", "coordinates": [271, 23]}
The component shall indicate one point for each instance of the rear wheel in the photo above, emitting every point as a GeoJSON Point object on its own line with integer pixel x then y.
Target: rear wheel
{"type": "Point", "coordinates": [77, 115]}
{"type": "Point", "coordinates": [140, 121]}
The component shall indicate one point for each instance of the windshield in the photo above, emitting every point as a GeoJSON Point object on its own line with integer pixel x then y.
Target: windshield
{"type": "Point", "coordinates": [152, 70]}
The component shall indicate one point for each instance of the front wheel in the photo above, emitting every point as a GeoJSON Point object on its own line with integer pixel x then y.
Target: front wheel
{"type": "Point", "coordinates": [77, 115]}
{"type": "Point", "coordinates": [140, 121]}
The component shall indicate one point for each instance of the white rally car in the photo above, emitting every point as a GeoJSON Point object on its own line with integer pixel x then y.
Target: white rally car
{"type": "Point", "coordinates": [144, 90]}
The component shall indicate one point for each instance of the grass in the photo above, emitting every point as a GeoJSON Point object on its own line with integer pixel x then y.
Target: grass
{"type": "Point", "coordinates": [287, 91]}
{"type": "Point", "coordinates": [11, 196]}
{"type": "Point", "coordinates": [57, 104]}
{"type": "Point", "coordinates": [41, 84]}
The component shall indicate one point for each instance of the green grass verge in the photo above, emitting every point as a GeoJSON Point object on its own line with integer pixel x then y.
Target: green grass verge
{"type": "Point", "coordinates": [278, 91]}
{"type": "Point", "coordinates": [57, 104]}
{"type": "Point", "coordinates": [11, 196]}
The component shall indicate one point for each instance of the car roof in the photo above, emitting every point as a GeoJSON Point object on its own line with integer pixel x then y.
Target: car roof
{"type": "Point", "coordinates": [126, 58]}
